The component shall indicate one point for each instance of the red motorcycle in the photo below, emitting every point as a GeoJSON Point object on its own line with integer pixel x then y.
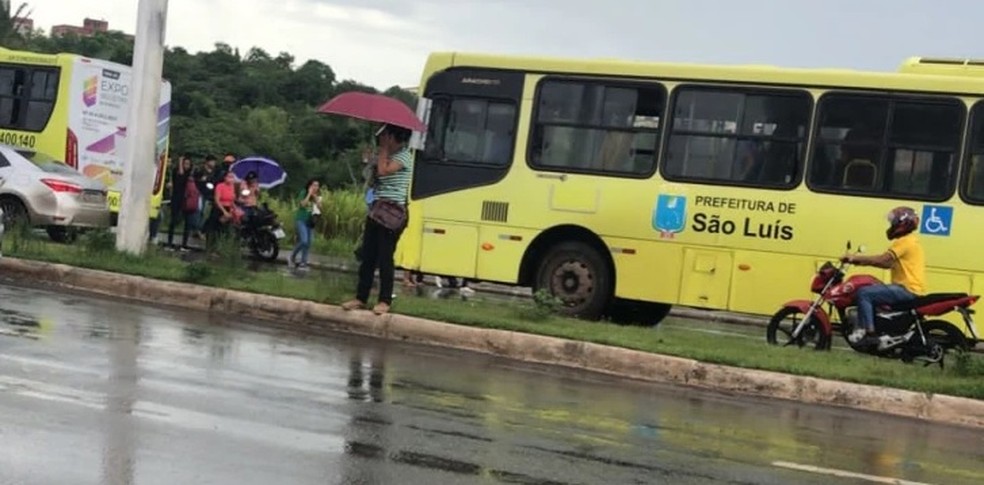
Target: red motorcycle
{"type": "Point", "coordinates": [905, 330]}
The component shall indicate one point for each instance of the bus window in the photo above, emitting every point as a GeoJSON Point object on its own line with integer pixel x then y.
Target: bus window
{"type": "Point", "coordinates": [27, 97]}
{"type": "Point", "coordinates": [471, 130]}
{"type": "Point", "coordinates": [973, 183]}
{"type": "Point", "coordinates": [44, 86]}
{"type": "Point", "coordinates": [886, 147]}
{"type": "Point", "coordinates": [737, 136]}
{"type": "Point", "coordinates": [12, 82]}
{"type": "Point", "coordinates": [595, 127]}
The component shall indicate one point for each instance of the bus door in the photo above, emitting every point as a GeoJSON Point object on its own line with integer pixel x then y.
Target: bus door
{"type": "Point", "coordinates": [470, 141]}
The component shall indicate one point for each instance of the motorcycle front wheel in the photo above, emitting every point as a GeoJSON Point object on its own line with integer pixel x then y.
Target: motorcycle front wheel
{"type": "Point", "coordinates": [785, 321]}
{"type": "Point", "coordinates": [265, 246]}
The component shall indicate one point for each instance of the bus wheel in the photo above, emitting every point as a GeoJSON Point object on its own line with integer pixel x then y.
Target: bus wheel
{"type": "Point", "coordinates": [579, 277]}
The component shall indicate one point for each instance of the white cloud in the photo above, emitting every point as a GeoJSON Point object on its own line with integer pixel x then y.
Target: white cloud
{"type": "Point", "coordinates": [386, 42]}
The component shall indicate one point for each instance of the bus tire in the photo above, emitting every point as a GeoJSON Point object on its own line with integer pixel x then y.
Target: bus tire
{"type": "Point", "coordinates": [578, 275]}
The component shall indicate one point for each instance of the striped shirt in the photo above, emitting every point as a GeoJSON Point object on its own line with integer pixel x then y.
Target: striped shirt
{"type": "Point", "coordinates": [394, 187]}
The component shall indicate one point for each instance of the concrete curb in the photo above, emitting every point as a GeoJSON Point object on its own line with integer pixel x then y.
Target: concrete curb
{"type": "Point", "coordinates": [311, 316]}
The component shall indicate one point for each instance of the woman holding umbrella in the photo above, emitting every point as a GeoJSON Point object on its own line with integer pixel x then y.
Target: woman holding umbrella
{"type": "Point", "coordinates": [387, 217]}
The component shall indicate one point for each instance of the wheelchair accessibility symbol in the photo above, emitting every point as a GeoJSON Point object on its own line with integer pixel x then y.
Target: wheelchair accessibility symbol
{"type": "Point", "coordinates": [936, 220]}
{"type": "Point", "coordinates": [670, 215]}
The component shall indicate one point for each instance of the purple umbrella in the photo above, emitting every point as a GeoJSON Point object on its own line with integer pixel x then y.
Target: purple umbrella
{"type": "Point", "coordinates": [270, 173]}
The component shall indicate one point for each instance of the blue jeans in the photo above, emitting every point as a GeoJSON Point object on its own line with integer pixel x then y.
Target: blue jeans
{"type": "Point", "coordinates": [304, 234]}
{"type": "Point", "coordinates": [869, 296]}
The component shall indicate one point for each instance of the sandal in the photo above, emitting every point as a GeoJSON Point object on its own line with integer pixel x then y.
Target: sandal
{"type": "Point", "coordinates": [353, 305]}
{"type": "Point", "coordinates": [381, 308]}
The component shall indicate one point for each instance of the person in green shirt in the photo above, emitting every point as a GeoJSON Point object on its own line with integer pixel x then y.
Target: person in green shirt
{"type": "Point", "coordinates": [307, 199]}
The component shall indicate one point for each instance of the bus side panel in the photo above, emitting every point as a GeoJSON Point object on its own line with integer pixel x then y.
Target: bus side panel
{"type": "Point", "coordinates": [651, 274]}
{"type": "Point", "coordinates": [450, 248]}
{"type": "Point", "coordinates": [163, 148]}
{"type": "Point", "coordinates": [100, 94]}
{"type": "Point", "coordinates": [977, 288]}
{"type": "Point", "coordinates": [950, 282]}
{"type": "Point", "coordinates": [767, 280]}
{"type": "Point", "coordinates": [501, 250]}
{"type": "Point", "coordinates": [97, 117]}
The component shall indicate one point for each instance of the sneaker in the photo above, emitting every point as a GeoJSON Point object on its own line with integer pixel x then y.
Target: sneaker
{"type": "Point", "coordinates": [185, 249]}
{"type": "Point", "coordinates": [353, 305]}
{"type": "Point", "coordinates": [466, 291]}
{"type": "Point", "coordinates": [870, 340]}
{"type": "Point", "coordinates": [856, 336]}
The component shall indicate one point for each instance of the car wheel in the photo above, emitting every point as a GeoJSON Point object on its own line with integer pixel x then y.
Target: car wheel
{"type": "Point", "coordinates": [62, 234]}
{"type": "Point", "coordinates": [14, 212]}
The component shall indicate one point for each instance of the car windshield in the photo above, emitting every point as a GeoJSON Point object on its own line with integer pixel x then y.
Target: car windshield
{"type": "Point", "coordinates": [47, 163]}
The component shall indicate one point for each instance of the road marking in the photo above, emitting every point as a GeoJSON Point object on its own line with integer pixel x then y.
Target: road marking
{"type": "Point", "coordinates": [843, 473]}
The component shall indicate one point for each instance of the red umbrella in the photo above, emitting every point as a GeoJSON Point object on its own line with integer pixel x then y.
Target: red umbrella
{"type": "Point", "coordinates": [373, 107]}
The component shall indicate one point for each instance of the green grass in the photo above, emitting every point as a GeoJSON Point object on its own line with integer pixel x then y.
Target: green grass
{"type": "Point", "coordinates": [964, 375]}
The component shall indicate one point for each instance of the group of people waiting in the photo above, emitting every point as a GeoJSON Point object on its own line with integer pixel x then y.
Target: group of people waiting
{"type": "Point", "coordinates": [208, 199]}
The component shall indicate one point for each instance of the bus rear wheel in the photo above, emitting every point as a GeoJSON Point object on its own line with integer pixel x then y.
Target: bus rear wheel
{"type": "Point", "coordinates": [577, 275]}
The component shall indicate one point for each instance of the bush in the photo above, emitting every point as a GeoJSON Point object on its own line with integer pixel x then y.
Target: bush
{"type": "Point", "coordinates": [197, 272]}
{"type": "Point", "coordinates": [97, 241]}
{"type": "Point", "coordinates": [966, 365]}
{"type": "Point", "coordinates": [544, 305]}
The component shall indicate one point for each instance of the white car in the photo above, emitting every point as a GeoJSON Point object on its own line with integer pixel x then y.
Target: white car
{"type": "Point", "coordinates": [44, 192]}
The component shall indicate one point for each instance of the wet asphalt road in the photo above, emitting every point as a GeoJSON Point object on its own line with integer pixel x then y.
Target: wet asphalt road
{"type": "Point", "coordinates": [101, 392]}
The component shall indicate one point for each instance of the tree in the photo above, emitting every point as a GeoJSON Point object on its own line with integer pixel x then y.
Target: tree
{"type": "Point", "coordinates": [10, 35]}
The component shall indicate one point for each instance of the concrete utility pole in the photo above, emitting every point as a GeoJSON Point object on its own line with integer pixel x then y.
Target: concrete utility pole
{"type": "Point", "coordinates": [141, 132]}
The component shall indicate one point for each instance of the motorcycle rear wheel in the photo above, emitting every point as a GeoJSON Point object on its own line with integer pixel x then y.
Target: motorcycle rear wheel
{"type": "Point", "coordinates": [265, 246]}
{"type": "Point", "coordinates": [784, 322]}
{"type": "Point", "coordinates": [946, 334]}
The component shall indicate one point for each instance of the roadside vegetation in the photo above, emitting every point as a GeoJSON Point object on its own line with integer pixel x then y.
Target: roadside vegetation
{"type": "Point", "coordinates": [963, 376]}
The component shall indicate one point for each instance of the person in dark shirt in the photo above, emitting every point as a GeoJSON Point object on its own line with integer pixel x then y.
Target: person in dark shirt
{"type": "Point", "coordinates": [178, 185]}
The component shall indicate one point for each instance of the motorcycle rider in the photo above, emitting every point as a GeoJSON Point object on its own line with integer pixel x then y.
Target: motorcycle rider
{"type": "Point", "coordinates": [908, 268]}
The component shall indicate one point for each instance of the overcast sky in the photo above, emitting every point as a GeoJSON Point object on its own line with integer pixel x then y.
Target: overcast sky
{"type": "Point", "coordinates": [385, 42]}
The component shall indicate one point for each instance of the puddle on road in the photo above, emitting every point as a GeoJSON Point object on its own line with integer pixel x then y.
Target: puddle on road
{"type": "Point", "coordinates": [18, 319]}
{"type": "Point", "coordinates": [19, 324]}
{"type": "Point", "coordinates": [435, 462]}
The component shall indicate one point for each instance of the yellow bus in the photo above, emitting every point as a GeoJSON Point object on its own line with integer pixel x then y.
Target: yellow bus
{"type": "Point", "coordinates": [620, 185]}
{"type": "Point", "coordinates": [75, 109]}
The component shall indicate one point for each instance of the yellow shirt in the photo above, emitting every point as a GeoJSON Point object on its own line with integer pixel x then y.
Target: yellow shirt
{"type": "Point", "coordinates": [909, 269]}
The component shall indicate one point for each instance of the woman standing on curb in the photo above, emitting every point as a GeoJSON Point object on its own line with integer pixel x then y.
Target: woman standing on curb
{"type": "Point", "coordinates": [304, 223]}
{"type": "Point", "coordinates": [387, 218]}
